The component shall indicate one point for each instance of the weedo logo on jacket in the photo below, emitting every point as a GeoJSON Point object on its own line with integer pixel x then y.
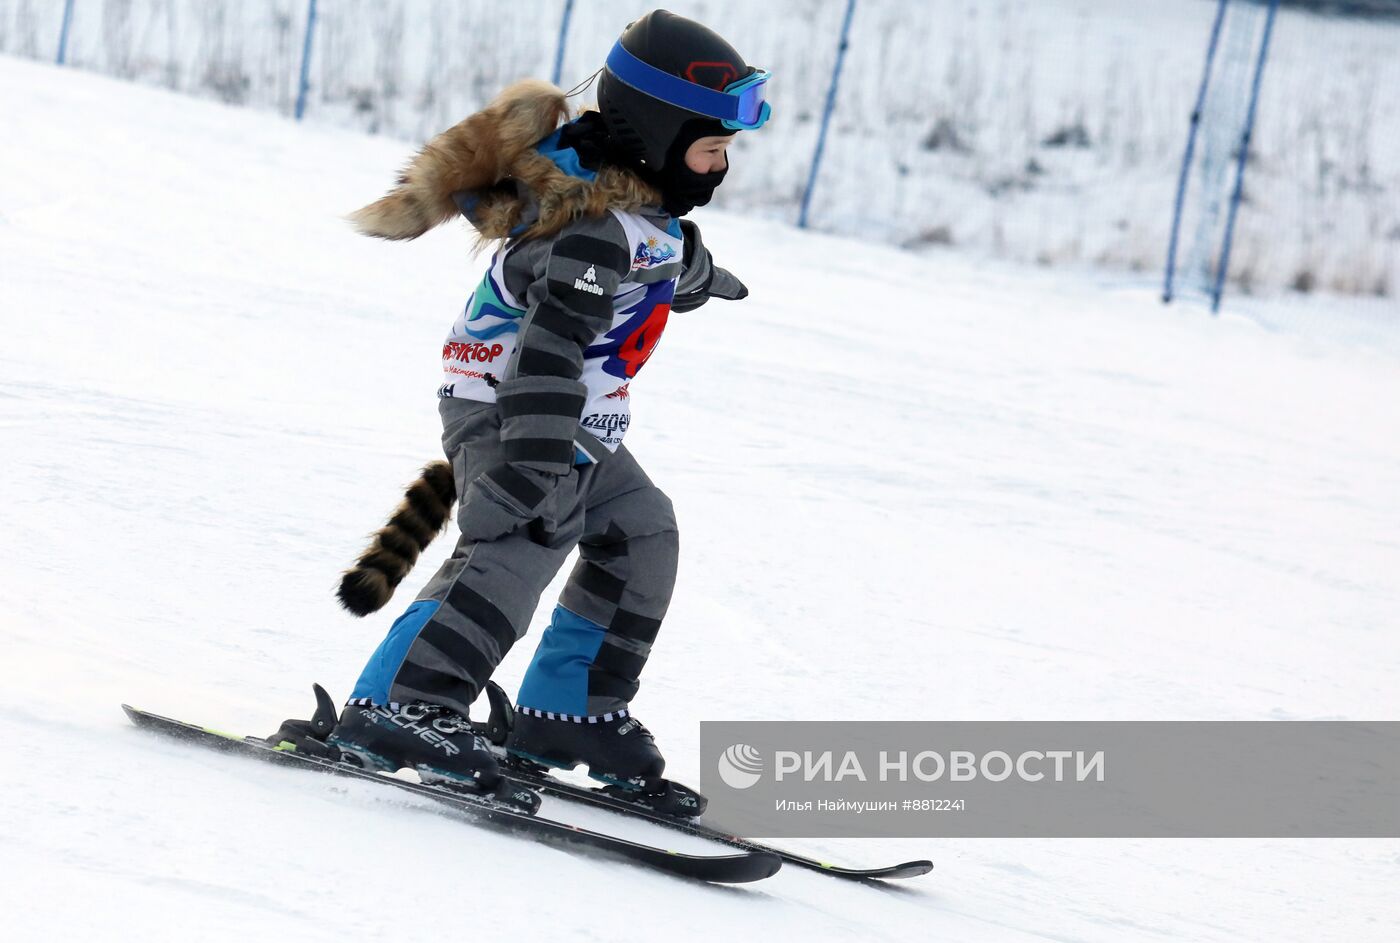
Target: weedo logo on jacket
{"type": "Point", "coordinates": [589, 282]}
{"type": "Point", "coordinates": [652, 252]}
{"type": "Point", "coordinates": [740, 766]}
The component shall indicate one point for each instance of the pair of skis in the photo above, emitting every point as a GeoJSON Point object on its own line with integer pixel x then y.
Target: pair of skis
{"type": "Point", "coordinates": [750, 861]}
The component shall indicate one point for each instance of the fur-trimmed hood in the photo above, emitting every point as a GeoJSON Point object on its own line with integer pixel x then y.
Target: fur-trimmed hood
{"type": "Point", "coordinates": [489, 167]}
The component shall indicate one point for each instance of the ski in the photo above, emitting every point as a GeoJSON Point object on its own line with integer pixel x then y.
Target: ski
{"type": "Point", "coordinates": [739, 868]}
{"type": "Point", "coordinates": [551, 786]}
{"type": "Point", "coordinates": [498, 726]}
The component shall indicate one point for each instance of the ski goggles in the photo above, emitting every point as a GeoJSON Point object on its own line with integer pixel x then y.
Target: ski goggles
{"type": "Point", "coordinates": [739, 106]}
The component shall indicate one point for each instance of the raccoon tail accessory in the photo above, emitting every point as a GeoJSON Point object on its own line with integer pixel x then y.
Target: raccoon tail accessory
{"type": "Point", "coordinates": [476, 152]}
{"type": "Point", "coordinates": [420, 517]}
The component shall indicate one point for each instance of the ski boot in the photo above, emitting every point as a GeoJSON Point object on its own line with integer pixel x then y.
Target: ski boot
{"type": "Point", "coordinates": [618, 751]}
{"type": "Point", "coordinates": [435, 741]}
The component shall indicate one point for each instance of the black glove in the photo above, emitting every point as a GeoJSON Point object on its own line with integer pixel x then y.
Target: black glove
{"type": "Point", "coordinates": [702, 279]}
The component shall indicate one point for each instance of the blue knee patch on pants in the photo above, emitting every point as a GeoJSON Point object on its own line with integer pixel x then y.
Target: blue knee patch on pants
{"type": "Point", "coordinates": [557, 679]}
{"type": "Point", "coordinates": [384, 664]}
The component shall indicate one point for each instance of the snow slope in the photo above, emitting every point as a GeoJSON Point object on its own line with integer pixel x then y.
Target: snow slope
{"type": "Point", "coordinates": [981, 493]}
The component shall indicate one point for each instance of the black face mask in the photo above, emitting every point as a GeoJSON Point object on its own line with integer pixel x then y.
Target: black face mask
{"type": "Point", "coordinates": [682, 189]}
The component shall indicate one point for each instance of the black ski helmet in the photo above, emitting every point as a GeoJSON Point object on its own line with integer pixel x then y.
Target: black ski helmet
{"type": "Point", "coordinates": [643, 127]}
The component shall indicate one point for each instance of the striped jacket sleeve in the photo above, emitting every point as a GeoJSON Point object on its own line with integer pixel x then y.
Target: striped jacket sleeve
{"type": "Point", "coordinates": [569, 303]}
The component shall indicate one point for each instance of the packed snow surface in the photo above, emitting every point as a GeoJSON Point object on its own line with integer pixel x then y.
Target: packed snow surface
{"type": "Point", "coordinates": [913, 488]}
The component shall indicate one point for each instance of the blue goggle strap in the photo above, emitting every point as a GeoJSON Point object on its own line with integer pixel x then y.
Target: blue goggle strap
{"type": "Point", "coordinates": [677, 91]}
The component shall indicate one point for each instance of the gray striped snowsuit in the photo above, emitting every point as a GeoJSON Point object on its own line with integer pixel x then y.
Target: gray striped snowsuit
{"type": "Point", "coordinates": [536, 478]}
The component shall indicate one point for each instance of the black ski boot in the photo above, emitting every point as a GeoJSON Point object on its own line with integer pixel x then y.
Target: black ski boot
{"type": "Point", "coordinates": [618, 751]}
{"type": "Point", "coordinates": [437, 742]}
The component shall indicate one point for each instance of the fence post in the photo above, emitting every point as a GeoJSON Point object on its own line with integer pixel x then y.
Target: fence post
{"type": "Point", "coordinates": [826, 116]}
{"type": "Point", "coordinates": [1190, 152]}
{"type": "Point", "coordinates": [563, 41]}
{"type": "Point", "coordinates": [1224, 264]}
{"type": "Point", "coordinates": [63, 32]}
{"type": "Point", "coordinates": [305, 81]}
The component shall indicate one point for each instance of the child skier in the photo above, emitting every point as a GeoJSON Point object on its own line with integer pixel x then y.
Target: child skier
{"type": "Point", "coordinates": [593, 256]}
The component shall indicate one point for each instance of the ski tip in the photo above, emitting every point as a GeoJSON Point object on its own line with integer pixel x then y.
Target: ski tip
{"type": "Point", "coordinates": [909, 869]}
